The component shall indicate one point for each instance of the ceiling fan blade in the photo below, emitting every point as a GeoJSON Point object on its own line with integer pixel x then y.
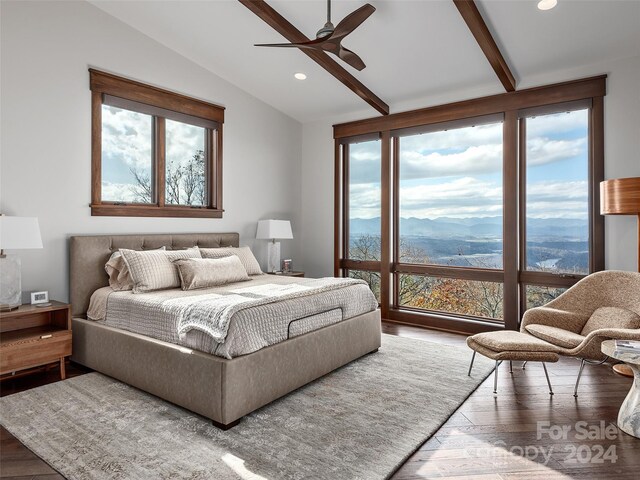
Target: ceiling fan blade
{"type": "Point", "coordinates": [298, 45]}
{"type": "Point", "coordinates": [349, 23]}
{"type": "Point", "coordinates": [351, 58]}
{"type": "Point", "coordinates": [315, 43]}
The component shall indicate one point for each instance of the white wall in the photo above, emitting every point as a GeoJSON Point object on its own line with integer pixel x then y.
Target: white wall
{"type": "Point", "coordinates": [46, 49]}
{"type": "Point", "coordinates": [622, 159]}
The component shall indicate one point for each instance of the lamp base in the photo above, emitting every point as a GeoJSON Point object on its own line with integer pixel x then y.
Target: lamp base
{"type": "Point", "coordinates": [10, 281]}
{"type": "Point", "coordinates": [273, 253]}
{"type": "Point", "coordinates": [8, 308]}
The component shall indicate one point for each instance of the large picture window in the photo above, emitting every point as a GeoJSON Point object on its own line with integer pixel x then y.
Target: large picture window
{"type": "Point", "coordinates": [463, 216]}
{"type": "Point", "coordinates": [154, 152]}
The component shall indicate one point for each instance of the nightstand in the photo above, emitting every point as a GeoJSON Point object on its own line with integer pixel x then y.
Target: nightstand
{"type": "Point", "coordinates": [33, 336]}
{"type": "Point", "coordinates": [290, 274]}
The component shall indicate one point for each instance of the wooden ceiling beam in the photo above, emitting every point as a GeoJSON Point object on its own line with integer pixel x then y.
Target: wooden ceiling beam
{"type": "Point", "coordinates": [480, 31]}
{"type": "Point", "coordinates": [281, 25]}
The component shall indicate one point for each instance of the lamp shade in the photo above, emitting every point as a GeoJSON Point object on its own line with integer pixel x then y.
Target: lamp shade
{"type": "Point", "coordinates": [620, 196]}
{"type": "Point", "coordinates": [19, 233]}
{"type": "Point", "coordinates": [268, 229]}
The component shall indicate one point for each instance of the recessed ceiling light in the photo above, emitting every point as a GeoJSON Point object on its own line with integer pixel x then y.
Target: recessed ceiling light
{"type": "Point", "coordinates": [547, 4]}
{"type": "Point", "coordinates": [300, 76]}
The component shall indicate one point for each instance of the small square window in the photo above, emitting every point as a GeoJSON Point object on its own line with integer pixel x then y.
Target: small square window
{"type": "Point", "coordinates": [154, 152]}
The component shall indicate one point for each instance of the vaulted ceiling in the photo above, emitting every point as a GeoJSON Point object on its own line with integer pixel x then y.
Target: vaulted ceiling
{"type": "Point", "coordinates": [412, 49]}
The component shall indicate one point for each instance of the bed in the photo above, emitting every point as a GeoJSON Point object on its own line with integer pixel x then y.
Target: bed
{"type": "Point", "coordinates": [221, 389]}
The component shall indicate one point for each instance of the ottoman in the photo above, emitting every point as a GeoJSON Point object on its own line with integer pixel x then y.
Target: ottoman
{"type": "Point", "coordinates": [511, 345]}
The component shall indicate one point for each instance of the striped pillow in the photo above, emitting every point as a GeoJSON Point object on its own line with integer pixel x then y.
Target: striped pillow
{"type": "Point", "coordinates": [154, 270]}
{"type": "Point", "coordinates": [245, 255]}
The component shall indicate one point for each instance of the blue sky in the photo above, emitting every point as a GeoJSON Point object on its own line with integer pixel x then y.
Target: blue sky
{"type": "Point", "coordinates": [458, 173]}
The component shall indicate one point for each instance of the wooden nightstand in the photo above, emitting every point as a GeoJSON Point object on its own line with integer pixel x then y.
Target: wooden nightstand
{"type": "Point", "coordinates": [33, 336]}
{"type": "Point", "coordinates": [290, 274]}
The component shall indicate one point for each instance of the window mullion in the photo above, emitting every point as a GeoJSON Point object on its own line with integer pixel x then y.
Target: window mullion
{"type": "Point", "coordinates": [510, 219]}
{"type": "Point", "coordinates": [385, 223]}
{"type": "Point", "coordinates": [345, 203]}
{"type": "Point", "coordinates": [596, 175]}
{"type": "Point", "coordinates": [522, 213]}
{"type": "Point", "coordinates": [160, 154]}
{"type": "Point", "coordinates": [209, 168]}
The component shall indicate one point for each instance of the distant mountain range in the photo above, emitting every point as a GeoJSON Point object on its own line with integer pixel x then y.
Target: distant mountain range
{"type": "Point", "coordinates": [538, 229]}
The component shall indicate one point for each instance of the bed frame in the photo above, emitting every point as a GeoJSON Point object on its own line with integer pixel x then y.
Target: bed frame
{"type": "Point", "coordinates": [217, 388]}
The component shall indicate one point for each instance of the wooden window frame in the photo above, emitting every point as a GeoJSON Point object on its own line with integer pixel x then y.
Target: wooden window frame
{"type": "Point", "coordinates": [162, 104]}
{"type": "Point", "coordinates": [511, 106]}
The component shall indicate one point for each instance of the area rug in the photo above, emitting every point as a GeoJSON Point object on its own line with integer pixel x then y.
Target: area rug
{"type": "Point", "coordinates": [360, 422]}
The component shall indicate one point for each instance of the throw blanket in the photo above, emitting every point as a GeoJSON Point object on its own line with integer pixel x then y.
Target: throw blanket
{"type": "Point", "coordinates": [212, 313]}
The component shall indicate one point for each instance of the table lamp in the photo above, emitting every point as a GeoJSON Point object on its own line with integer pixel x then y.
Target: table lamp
{"type": "Point", "coordinates": [15, 233]}
{"type": "Point", "coordinates": [621, 196]}
{"type": "Point", "coordinates": [272, 230]}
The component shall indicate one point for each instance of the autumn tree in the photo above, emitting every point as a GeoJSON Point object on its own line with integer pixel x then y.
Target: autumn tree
{"type": "Point", "coordinates": [367, 247]}
{"type": "Point", "coordinates": [429, 293]}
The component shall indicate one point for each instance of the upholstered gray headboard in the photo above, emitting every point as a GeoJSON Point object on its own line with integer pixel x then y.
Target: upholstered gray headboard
{"type": "Point", "coordinates": [88, 254]}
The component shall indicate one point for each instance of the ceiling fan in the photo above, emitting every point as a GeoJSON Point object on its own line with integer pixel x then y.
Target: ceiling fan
{"type": "Point", "coordinates": [329, 38]}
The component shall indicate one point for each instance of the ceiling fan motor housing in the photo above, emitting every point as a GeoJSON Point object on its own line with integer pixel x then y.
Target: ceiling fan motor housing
{"type": "Point", "coordinates": [326, 30]}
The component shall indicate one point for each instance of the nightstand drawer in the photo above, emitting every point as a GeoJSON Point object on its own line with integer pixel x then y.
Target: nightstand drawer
{"type": "Point", "coordinates": [34, 350]}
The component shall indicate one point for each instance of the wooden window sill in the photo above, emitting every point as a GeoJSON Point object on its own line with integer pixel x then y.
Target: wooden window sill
{"type": "Point", "coordinates": [154, 211]}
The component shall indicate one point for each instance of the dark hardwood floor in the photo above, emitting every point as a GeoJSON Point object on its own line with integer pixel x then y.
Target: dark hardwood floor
{"type": "Point", "coordinates": [509, 436]}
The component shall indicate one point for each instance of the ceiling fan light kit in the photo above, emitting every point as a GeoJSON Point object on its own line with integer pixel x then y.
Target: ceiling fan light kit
{"type": "Point", "coordinates": [329, 38]}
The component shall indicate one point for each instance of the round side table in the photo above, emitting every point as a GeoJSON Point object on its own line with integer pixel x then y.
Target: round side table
{"type": "Point", "coordinates": [629, 415]}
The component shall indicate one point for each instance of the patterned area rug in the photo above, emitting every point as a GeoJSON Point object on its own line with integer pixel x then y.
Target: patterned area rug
{"type": "Point", "coordinates": [359, 422]}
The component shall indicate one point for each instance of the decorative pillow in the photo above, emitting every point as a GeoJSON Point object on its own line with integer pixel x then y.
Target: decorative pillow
{"type": "Point", "coordinates": [154, 270]}
{"type": "Point", "coordinates": [556, 336]}
{"type": "Point", "coordinates": [245, 255]}
{"type": "Point", "coordinates": [210, 272]}
{"type": "Point", "coordinates": [116, 268]}
{"type": "Point", "coordinates": [611, 317]}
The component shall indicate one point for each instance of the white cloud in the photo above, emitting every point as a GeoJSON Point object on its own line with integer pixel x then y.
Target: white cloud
{"type": "Point", "coordinates": [470, 197]}
{"type": "Point", "coordinates": [558, 199]}
{"type": "Point", "coordinates": [472, 150]}
{"type": "Point", "coordinates": [463, 197]}
{"type": "Point", "coordinates": [364, 200]}
{"type": "Point", "coordinates": [183, 141]}
{"type": "Point", "coordinates": [454, 138]}
{"type": "Point", "coordinates": [542, 150]}
{"type": "Point", "coordinates": [473, 160]}
{"type": "Point", "coordinates": [117, 192]}
{"type": "Point", "coordinates": [557, 123]}
{"type": "Point", "coordinates": [126, 136]}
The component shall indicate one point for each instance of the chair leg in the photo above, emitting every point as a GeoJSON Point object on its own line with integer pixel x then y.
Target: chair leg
{"type": "Point", "coordinates": [495, 377]}
{"type": "Point", "coordinates": [524, 364]}
{"type": "Point", "coordinates": [473, 357]}
{"type": "Point", "coordinates": [575, 391]}
{"type": "Point", "coordinates": [547, 375]}
{"type": "Point", "coordinates": [510, 366]}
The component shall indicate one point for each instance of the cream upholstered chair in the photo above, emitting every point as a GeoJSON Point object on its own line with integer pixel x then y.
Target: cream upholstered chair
{"type": "Point", "coordinates": [604, 305]}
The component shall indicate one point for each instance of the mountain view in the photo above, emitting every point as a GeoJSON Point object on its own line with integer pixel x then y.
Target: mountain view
{"type": "Point", "coordinates": [553, 243]}
{"type": "Point", "coordinates": [450, 199]}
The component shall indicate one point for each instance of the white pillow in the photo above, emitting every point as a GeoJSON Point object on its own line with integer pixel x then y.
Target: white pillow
{"type": "Point", "coordinates": [245, 255]}
{"type": "Point", "coordinates": [210, 272]}
{"type": "Point", "coordinates": [154, 270]}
